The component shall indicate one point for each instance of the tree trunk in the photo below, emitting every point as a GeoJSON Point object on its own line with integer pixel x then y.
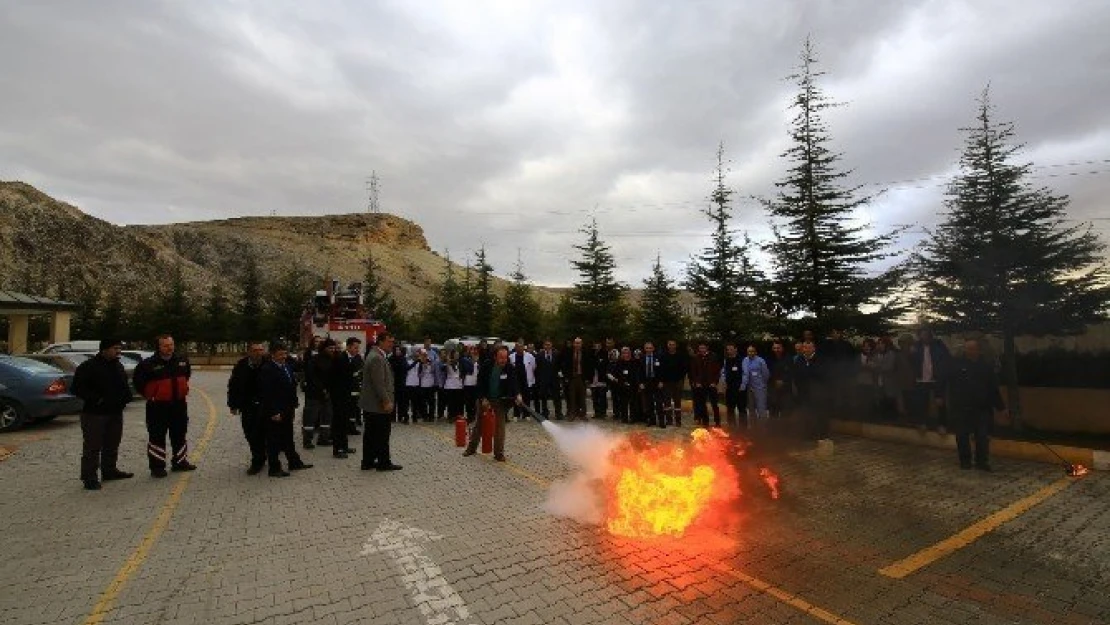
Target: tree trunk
{"type": "Point", "coordinates": [1009, 370]}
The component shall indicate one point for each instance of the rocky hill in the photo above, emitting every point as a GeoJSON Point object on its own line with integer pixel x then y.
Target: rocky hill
{"type": "Point", "coordinates": [50, 247]}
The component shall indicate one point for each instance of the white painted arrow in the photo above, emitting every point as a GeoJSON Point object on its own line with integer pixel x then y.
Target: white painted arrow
{"type": "Point", "coordinates": [432, 594]}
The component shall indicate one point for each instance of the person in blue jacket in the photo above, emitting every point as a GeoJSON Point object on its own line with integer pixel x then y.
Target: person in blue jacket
{"type": "Point", "coordinates": [756, 376]}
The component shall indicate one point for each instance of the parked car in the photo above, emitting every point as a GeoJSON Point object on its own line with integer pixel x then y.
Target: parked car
{"type": "Point", "coordinates": [68, 361]}
{"type": "Point", "coordinates": [72, 346]}
{"type": "Point", "coordinates": [33, 391]}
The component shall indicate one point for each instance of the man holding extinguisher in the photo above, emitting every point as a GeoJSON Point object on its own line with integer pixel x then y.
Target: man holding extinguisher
{"type": "Point", "coordinates": [497, 390]}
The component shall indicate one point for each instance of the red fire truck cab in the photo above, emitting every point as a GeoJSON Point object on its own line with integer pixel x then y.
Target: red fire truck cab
{"type": "Point", "coordinates": [339, 313]}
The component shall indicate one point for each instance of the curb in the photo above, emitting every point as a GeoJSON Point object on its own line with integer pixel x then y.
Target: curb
{"type": "Point", "coordinates": [1020, 450]}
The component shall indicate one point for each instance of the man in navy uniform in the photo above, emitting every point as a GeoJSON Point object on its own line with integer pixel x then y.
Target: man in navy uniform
{"type": "Point", "coordinates": [277, 403]}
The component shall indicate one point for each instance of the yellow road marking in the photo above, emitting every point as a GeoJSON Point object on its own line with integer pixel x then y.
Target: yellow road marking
{"type": "Point", "coordinates": [755, 583]}
{"type": "Point", "coordinates": [139, 555]}
{"type": "Point", "coordinates": [973, 532]}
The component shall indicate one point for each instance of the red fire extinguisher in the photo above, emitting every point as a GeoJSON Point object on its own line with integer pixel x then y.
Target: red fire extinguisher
{"type": "Point", "coordinates": [488, 419]}
{"type": "Point", "coordinates": [460, 431]}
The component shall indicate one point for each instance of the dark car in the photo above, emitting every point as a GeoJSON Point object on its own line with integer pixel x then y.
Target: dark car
{"type": "Point", "coordinates": [33, 391]}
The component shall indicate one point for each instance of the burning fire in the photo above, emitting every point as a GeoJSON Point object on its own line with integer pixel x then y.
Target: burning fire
{"type": "Point", "coordinates": [771, 480]}
{"type": "Point", "coordinates": [660, 490]}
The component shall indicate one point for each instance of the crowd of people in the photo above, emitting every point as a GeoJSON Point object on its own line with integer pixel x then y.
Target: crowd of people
{"type": "Point", "coordinates": [345, 388]}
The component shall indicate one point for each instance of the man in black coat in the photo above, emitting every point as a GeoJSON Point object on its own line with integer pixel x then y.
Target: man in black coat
{"type": "Point", "coordinates": [277, 403]}
{"type": "Point", "coordinates": [354, 367]}
{"type": "Point", "coordinates": [242, 399]}
{"type": "Point", "coordinates": [547, 381]}
{"type": "Point", "coordinates": [497, 390]}
{"type": "Point", "coordinates": [674, 364]}
{"type": "Point", "coordinates": [341, 384]}
{"type": "Point", "coordinates": [972, 390]}
{"type": "Point", "coordinates": [102, 383]}
{"type": "Point", "coordinates": [811, 381]}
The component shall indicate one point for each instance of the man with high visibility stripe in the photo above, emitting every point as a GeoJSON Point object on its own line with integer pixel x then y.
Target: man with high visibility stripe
{"type": "Point", "coordinates": [163, 379]}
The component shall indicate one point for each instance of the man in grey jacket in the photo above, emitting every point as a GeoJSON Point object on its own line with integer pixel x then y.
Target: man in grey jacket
{"type": "Point", "coordinates": [376, 404]}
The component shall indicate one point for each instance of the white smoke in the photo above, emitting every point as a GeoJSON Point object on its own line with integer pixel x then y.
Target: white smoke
{"type": "Point", "coordinates": [588, 448]}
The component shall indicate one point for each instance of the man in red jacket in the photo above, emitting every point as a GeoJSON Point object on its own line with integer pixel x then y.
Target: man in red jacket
{"type": "Point", "coordinates": [163, 379]}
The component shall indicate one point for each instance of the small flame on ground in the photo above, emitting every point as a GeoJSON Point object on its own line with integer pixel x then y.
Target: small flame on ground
{"type": "Point", "coordinates": [771, 480]}
{"type": "Point", "coordinates": [1077, 470]}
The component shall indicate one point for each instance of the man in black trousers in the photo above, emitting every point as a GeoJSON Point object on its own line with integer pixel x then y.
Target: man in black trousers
{"type": "Point", "coordinates": [376, 403]}
{"type": "Point", "coordinates": [102, 383]}
{"type": "Point", "coordinates": [277, 401]}
{"type": "Point", "coordinates": [242, 399]}
{"type": "Point", "coordinates": [972, 389]}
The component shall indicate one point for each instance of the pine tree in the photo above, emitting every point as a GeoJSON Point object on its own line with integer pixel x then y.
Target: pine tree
{"type": "Point", "coordinates": [282, 318]}
{"type": "Point", "coordinates": [1005, 261]}
{"type": "Point", "coordinates": [216, 320]}
{"type": "Point", "coordinates": [250, 317]}
{"type": "Point", "coordinates": [379, 303]}
{"type": "Point", "coordinates": [660, 316]}
{"type": "Point", "coordinates": [87, 319]}
{"type": "Point", "coordinates": [521, 315]}
{"type": "Point", "coordinates": [824, 262]}
{"type": "Point", "coordinates": [111, 321]}
{"type": "Point", "coordinates": [176, 316]}
{"type": "Point", "coordinates": [444, 316]}
{"type": "Point", "coordinates": [596, 308]}
{"type": "Point", "coordinates": [723, 278]}
{"type": "Point", "coordinates": [484, 302]}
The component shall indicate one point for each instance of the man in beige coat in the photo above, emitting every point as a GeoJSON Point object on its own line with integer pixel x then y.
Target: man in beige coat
{"type": "Point", "coordinates": [376, 404]}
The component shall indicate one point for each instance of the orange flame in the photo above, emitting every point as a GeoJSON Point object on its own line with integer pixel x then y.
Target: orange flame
{"type": "Point", "coordinates": [771, 480]}
{"type": "Point", "coordinates": [660, 490]}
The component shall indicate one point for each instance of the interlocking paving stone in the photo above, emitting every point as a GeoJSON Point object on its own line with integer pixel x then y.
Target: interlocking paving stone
{"type": "Point", "coordinates": [243, 549]}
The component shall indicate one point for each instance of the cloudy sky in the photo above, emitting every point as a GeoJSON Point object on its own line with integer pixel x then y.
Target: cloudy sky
{"type": "Point", "coordinates": [511, 122]}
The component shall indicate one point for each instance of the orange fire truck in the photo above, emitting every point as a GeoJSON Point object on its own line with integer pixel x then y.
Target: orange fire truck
{"type": "Point", "coordinates": [339, 313]}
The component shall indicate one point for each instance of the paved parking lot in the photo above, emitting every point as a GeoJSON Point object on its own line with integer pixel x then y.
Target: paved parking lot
{"type": "Point", "coordinates": [465, 540]}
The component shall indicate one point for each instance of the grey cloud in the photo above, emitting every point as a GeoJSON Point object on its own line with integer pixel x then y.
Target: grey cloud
{"type": "Point", "coordinates": [509, 124]}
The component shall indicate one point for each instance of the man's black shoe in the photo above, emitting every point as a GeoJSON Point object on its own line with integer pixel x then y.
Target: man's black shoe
{"type": "Point", "coordinates": [468, 453]}
{"type": "Point", "coordinates": [339, 454]}
{"type": "Point", "coordinates": [183, 466]}
{"type": "Point", "coordinates": [279, 473]}
{"type": "Point", "coordinates": [92, 485]}
{"type": "Point", "coordinates": [366, 467]}
{"type": "Point", "coordinates": [300, 467]}
{"type": "Point", "coordinates": [499, 458]}
{"type": "Point", "coordinates": [255, 469]}
{"type": "Point", "coordinates": [389, 467]}
{"type": "Point", "coordinates": [350, 450]}
{"type": "Point", "coordinates": [117, 475]}
{"type": "Point", "coordinates": [158, 473]}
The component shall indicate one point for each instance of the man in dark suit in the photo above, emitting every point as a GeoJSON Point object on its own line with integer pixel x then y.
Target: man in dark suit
{"type": "Point", "coordinates": [277, 401]}
{"type": "Point", "coordinates": [972, 389]}
{"type": "Point", "coordinates": [578, 370]}
{"type": "Point", "coordinates": [497, 390]}
{"type": "Point", "coordinates": [354, 368]}
{"type": "Point", "coordinates": [376, 403]}
{"type": "Point", "coordinates": [651, 387]}
{"type": "Point", "coordinates": [547, 381]}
